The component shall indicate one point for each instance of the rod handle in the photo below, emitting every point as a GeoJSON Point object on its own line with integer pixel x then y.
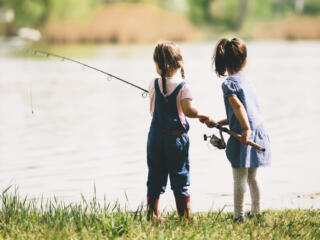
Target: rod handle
{"type": "Point", "coordinates": [253, 144]}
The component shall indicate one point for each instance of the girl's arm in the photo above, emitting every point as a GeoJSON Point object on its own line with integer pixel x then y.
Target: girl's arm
{"type": "Point", "coordinates": [242, 117]}
{"type": "Point", "coordinates": [223, 122]}
{"type": "Point", "coordinates": [190, 111]}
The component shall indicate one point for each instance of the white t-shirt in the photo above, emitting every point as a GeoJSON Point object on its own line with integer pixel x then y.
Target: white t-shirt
{"type": "Point", "coordinates": [171, 84]}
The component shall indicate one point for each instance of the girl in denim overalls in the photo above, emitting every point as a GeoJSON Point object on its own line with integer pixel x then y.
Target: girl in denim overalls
{"type": "Point", "coordinates": [168, 142]}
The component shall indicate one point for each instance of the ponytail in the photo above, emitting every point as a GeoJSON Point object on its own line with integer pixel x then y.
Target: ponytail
{"type": "Point", "coordinates": [180, 65]}
{"type": "Point", "coordinates": [219, 57]}
{"type": "Point", "coordinates": [182, 73]}
{"type": "Point", "coordinates": [164, 84]}
{"type": "Point", "coordinates": [229, 55]}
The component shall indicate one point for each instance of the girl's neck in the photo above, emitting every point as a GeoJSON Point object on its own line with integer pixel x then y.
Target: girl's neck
{"type": "Point", "coordinates": [232, 73]}
{"type": "Point", "coordinates": [172, 73]}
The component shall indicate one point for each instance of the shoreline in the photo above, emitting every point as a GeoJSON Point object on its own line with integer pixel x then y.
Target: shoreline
{"type": "Point", "coordinates": [55, 220]}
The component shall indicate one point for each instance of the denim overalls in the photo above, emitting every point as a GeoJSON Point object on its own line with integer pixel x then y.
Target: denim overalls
{"type": "Point", "coordinates": [167, 147]}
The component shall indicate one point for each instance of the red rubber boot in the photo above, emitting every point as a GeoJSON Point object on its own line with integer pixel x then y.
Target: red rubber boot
{"type": "Point", "coordinates": [152, 208]}
{"type": "Point", "coordinates": [183, 207]}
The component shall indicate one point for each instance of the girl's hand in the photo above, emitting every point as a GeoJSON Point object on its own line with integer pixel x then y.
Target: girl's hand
{"type": "Point", "coordinates": [202, 118]}
{"type": "Point", "coordinates": [210, 123]}
{"type": "Point", "coordinates": [245, 137]}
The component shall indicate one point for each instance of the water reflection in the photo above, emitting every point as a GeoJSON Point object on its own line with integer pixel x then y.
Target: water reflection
{"type": "Point", "coordinates": [88, 131]}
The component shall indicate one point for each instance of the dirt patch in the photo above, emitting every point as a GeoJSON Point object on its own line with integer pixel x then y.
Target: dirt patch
{"type": "Point", "coordinates": [311, 195]}
{"type": "Point", "coordinates": [123, 23]}
{"type": "Point", "coordinates": [291, 29]}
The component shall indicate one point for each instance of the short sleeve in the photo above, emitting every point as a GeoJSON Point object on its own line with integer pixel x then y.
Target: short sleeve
{"type": "Point", "coordinates": [152, 96]}
{"type": "Point", "coordinates": [186, 92]}
{"type": "Point", "coordinates": [151, 85]}
{"type": "Point", "coordinates": [229, 88]}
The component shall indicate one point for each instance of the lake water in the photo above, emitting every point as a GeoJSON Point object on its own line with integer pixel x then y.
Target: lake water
{"type": "Point", "coordinates": [88, 131]}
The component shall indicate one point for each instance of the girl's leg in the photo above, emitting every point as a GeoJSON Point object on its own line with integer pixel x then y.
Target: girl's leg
{"type": "Point", "coordinates": [178, 164]}
{"type": "Point", "coordinates": [239, 187]}
{"type": "Point", "coordinates": [254, 190]}
{"type": "Point", "coordinates": [157, 176]}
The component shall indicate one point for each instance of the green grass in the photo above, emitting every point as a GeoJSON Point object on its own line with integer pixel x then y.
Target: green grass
{"type": "Point", "coordinates": [22, 218]}
{"type": "Point", "coordinates": [77, 51]}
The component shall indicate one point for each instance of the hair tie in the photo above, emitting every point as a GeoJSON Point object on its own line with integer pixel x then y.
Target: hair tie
{"type": "Point", "coordinates": [229, 41]}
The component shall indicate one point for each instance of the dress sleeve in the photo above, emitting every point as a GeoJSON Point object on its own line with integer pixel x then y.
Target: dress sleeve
{"type": "Point", "coordinates": [185, 92]}
{"type": "Point", "coordinates": [229, 88]}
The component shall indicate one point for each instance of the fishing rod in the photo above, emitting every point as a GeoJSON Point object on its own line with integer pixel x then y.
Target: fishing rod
{"type": "Point", "coordinates": [63, 58]}
{"type": "Point", "coordinates": [219, 142]}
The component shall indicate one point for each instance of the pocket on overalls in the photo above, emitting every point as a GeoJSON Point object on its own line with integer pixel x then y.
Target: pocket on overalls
{"type": "Point", "coordinates": [179, 144]}
{"type": "Point", "coordinates": [182, 148]}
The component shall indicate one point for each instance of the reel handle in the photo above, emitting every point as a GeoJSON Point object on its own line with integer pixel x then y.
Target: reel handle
{"type": "Point", "coordinates": [205, 137]}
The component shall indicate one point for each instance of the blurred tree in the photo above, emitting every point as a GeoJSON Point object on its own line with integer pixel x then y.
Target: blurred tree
{"type": "Point", "coordinates": [199, 11]}
{"type": "Point", "coordinates": [229, 14]}
{"type": "Point", "coordinates": [31, 13]}
{"type": "Point", "coordinates": [241, 14]}
{"type": "Point", "coordinates": [127, 1]}
{"type": "Point", "coordinates": [311, 7]}
{"type": "Point", "coordinates": [35, 13]}
{"type": "Point", "coordinates": [283, 7]}
{"type": "Point", "coordinates": [68, 9]}
{"type": "Point", "coordinates": [299, 4]}
{"type": "Point", "coordinates": [260, 9]}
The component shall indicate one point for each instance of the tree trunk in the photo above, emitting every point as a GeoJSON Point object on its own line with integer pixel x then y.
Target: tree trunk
{"type": "Point", "coordinates": [299, 6]}
{"type": "Point", "coordinates": [242, 12]}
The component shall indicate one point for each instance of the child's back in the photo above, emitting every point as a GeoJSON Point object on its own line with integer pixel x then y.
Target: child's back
{"type": "Point", "coordinates": [168, 142]}
{"type": "Point", "coordinates": [239, 86]}
{"type": "Point", "coordinates": [244, 117]}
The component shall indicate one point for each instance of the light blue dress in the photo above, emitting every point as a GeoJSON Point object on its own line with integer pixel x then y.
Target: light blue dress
{"type": "Point", "coordinates": [240, 155]}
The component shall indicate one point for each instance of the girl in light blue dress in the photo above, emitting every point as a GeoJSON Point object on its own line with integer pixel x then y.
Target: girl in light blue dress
{"type": "Point", "coordinates": [244, 117]}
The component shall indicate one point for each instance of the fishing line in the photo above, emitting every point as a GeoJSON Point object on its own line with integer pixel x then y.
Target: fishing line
{"type": "Point", "coordinates": [84, 65]}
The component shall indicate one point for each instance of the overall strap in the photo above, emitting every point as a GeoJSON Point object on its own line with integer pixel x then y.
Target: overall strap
{"type": "Point", "coordinates": [174, 93]}
{"type": "Point", "coordinates": [156, 86]}
{"type": "Point", "coordinates": [178, 88]}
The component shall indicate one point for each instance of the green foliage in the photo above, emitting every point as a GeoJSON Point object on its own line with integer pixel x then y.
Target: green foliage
{"type": "Point", "coordinates": [35, 13]}
{"type": "Point", "coordinates": [261, 8]}
{"type": "Point", "coordinates": [312, 7]}
{"type": "Point", "coordinates": [225, 13]}
{"type": "Point", "coordinates": [127, 1]}
{"type": "Point", "coordinates": [31, 13]}
{"type": "Point", "coordinates": [199, 11]}
{"type": "Point", "coordinates": [220, 14]}
{"type": "Point", "coordinates": [70, 9]}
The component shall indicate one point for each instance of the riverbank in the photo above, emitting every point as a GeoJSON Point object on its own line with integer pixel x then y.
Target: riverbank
{"type": "Point", "coordinates": [23, 218]}
{"type": "Point", "coordinates": [291, 28]}
{"type": "Point", "coordinates": [122, 23]}
{"type": "Point", "coordinates": [126, 23]}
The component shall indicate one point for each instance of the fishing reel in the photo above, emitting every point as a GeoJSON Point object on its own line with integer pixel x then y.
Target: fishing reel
{"type": "Point", "coordinates": [216, 141]}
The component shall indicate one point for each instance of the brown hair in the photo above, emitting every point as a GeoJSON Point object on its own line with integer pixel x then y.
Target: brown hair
{"type": "Point", "coordinates": [229, 54]}
{"type": "Point", "coordinates": [168, 57]}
